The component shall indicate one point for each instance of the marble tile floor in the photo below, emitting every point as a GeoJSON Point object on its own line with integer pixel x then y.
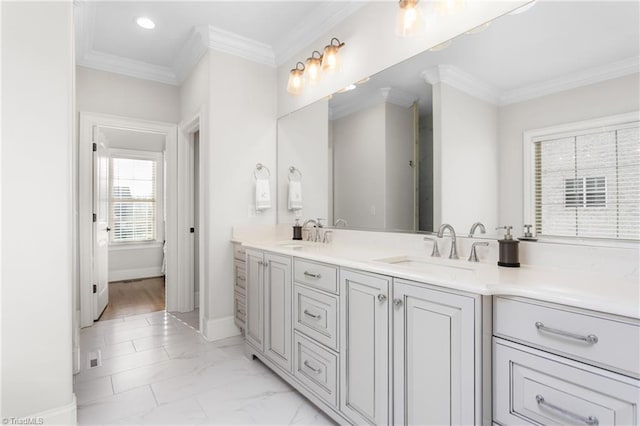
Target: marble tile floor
{"type": "Point", "coordinates": [156, 369]}
{"type": "Point", "coordinates": [190, 318]}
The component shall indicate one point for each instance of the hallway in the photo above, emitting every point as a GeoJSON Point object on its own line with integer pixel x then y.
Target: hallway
{"type": "Point", "coordinates": [155, 369]}
{"type": "Point", "coordinates": [133, 297]}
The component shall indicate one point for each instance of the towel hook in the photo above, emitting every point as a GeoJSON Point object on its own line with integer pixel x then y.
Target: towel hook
{"type": "Point", "coordinates": [259, 168]}
{"type": "Point", "coordinates": [292, 172]}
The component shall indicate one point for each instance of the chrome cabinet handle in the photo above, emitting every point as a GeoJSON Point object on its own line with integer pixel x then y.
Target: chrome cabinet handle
{"type": "Point", "coordinates": [315, 370]}
{"type": "Point", "coordinates": [311, 315]}
{"type": "Point", "coordinates": [242, 279]}
{"type": "Point", "coordinates": [266, 264]}
{"type": "Point", "coordinates": [397, 302]}
{"type": "Point", "coordinates": [591, 338]}
{"type": "Point", "coordinates": [591, 420]}
{"type": "Point", "coordinates": [260, 262]}
{"type": "Point", "coordinates": [311, 275]}
{"type": "Point", "coordinates": [382, 297]}
{"type": "Point", "coordinates": [242, 252]}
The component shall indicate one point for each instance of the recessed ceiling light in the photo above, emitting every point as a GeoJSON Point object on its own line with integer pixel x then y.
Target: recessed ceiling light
{"type": "Point", "coordinates": [145, 23]}
{"type": "Point", "coordinates": [363, 81]}
{"type": "Point", "coordinates": [479, 28]}
{"type": "Point", "coordinates": [347, 89]}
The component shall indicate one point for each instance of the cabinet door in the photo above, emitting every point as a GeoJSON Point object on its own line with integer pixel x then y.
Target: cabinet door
{"type": "Point", "coordinates": [254, 332]}
{"type": "Point", "coordinates": [277, 298]}
{"type": "Point", "coordinates": [433, 369]}
{"type": "Point", "coordinates": [364, 357]}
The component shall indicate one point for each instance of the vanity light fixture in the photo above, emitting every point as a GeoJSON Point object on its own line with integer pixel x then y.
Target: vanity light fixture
{"type": "Point", "coordinates": [331, 61]}
{"type": "Point", "coordinates": [409, 18]}
{"type": "Point", "coordinates": [145, 23]}
{"type": "Point", "coordinates": [296, 81]}
{"type": "Point", "coordinates": [313, 67]}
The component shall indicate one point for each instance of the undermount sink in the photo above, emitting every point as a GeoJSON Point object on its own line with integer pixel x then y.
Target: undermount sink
{"type": "Point", "coordinates": [424, 265]}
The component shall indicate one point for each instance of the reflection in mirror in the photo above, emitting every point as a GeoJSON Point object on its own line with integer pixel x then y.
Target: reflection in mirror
{"type": "Point", "coordinates": [438, 138]}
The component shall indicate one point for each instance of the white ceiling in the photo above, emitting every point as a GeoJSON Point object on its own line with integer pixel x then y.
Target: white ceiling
{"type": "Point", "coordinates": [108, 38]}
{"type": "Point", "coordinates": [554, 45]}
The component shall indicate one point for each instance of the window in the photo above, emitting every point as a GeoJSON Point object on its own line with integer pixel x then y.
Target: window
{"type": "Point", "coordinates": [584, 179]}
{"type": "Point", "coordinates": [134, 202]}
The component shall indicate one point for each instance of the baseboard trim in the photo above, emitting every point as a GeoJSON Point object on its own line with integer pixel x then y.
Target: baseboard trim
{"type": "Point", "coordinates": [220, 328]}
{"type": "Point", "coordinates": [134, 274]}
{"type": "Point", "coordinates": [62, 415]}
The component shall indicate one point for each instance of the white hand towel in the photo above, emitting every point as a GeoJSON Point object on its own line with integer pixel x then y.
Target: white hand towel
{"type": "Point", "coordinates": [295, 195]}
{"type": "Point", "coordinates": [263, 194]}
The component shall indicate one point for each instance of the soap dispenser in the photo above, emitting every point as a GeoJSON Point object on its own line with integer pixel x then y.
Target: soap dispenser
{"type": "Point", "coordinates": [508, 249]}
{"type": "Point", "coordinates": [297, 230]}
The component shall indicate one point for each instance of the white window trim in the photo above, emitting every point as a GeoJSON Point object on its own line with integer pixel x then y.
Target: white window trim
{"type": "Point", "coordinates": [529, 137]}
{"type": "Point", "coordinates": [141, 155]}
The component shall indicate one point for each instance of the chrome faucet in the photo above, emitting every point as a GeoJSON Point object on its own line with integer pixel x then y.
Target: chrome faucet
{"type": "Point", "coordinates": [476, 226]}
{"type": "Point", "coordinates": [434, 252]}
{"type": "Point", "coordinates": [315, 226]}
{"type": "Point", "coordinates": [340, 221]}
{"type": "Point", "coordinates": [453, 254]}
{"type": "Point", "coordinates": [473, 256]}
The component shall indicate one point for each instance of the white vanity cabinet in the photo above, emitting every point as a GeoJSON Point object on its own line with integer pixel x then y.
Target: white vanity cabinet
{"type": "Point", "coordinates": [559, 365]}
{"type": "Point", "coordinates": [434, 360]}
{"type": "Point", "coordinates": [268, 282]}
{"type": "Point", "coordinates": [239, 286]}
{"type": "Point", "coordinates": [364, 347]}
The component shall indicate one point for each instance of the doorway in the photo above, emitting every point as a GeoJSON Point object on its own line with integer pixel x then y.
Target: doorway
{"type": "Point", "coordinates": [126, 216]}
{"type": "Point", "coordinates": [191, 224]}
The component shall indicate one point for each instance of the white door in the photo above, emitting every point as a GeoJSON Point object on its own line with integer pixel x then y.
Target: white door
{"type": "Point", "coordinates": [100, 224]}
{"type": "Point", "coordinates": [364, 356]}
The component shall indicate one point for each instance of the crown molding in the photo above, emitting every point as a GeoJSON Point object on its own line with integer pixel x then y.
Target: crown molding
{"type": "Point", "coordinates": [191, 52]}
{"type": "Point", "coordinates": [398, 97]}
{"type": "Point", "coordinates": [129, 67]}
{"type": "Point", "coordinates": [463, 81]}
{"type": "Point", "coordinates": [371, 99]}
{"type": "Point", "coordinates": [85, 16]}
{"type": "Point", "coordinates": [572, 81]}
{"type": "Point", "coordinates": [237, 45]}
{"type": "Point", "coordinates": [326, 16]}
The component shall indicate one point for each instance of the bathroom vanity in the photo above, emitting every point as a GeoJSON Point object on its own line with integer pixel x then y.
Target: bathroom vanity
{"type": "Point", "coordinates": [373, 338]}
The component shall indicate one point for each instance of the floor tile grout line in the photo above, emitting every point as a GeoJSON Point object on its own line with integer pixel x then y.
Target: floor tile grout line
{"type": "Point", "coordinates": [154, 395]}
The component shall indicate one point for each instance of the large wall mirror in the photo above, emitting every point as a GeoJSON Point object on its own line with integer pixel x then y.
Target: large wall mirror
{"type": "Point", "coordinates": [439, 137]}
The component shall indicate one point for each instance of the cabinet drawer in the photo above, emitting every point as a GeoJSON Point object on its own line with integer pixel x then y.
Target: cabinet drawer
{"type": "Point", "coordinates": [319, 275]}
{"type": "Point", "coordinates": [535, 387]}
{"type": "Point", "coordinates": [240, 277]}
{"type": "Point", "coordinates": [585, 335]}
{"type": "Point", "coordinates": [238, 252]}
{"type": "Point", "coordinates": [317, 368]}
{"type": "Point", "coordinates": [316, 315]}
{"type": "Point", "coordinates": [240, 309]}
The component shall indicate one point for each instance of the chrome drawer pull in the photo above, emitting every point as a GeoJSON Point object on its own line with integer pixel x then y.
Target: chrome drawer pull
{"type": "Point", "coordinates": [307, 313]}
{"type": "Point", "coordinates": [310, 275]}
{"type": "Point", "coordinates": [242, 252]}
{"type": "Point", "coordinates": [591, 420]}
{"type": "Point", "coordinates": [315, 370]}
{"type": "Point", "coordinates": [241, 278]}
{"type": "Point", "coordinates": [591, 338]}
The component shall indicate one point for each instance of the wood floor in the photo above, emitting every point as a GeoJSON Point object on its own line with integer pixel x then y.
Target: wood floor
{"type": "Point", "coordinates": [133, 297]}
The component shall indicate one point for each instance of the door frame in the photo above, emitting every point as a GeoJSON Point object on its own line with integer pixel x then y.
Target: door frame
{"type": "Point", "coordinates": [185, 286]}
{"type": "Point", "coordinates": [88, 120]}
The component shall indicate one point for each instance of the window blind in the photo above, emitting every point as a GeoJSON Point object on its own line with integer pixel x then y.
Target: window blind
{"type": "Point", "coordinates": [587, 184]}
{"type": "Point", "coordinates": [133, 199]}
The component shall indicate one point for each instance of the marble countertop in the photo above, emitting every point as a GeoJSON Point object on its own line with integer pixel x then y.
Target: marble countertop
{"type": "Point", "coordinates": [563, 286]}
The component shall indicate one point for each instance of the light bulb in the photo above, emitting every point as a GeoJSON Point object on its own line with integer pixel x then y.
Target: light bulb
{"type": "Point", "coordinates": [331, 58]}
{"type": "Point", "coordinates": [409, 18]}
{"type": "Point", "coordinates": [296, 80]}
{"type": "Point", "coordinates": [313, 67]}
